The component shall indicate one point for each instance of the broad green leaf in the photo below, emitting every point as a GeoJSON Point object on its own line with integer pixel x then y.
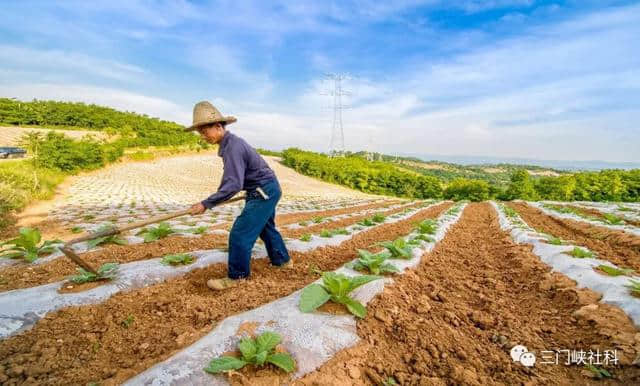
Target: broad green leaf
{"type": "Point", "coordinates": [267, 341]}
{"type": "Point", "coordinates": [312, 297]}
{"type": "Point", "coordinates": [95, 242]}
{"type": "Point", "coordinates": [224, 363]}
{"type": "Point", "coordinates": [357, 281]}
{"type": "Point", "coordinates": [261, 357]}
{"type": "Point", "coordinates": [388, 268]}
{"type": "Point", "coordinates": [248, 348]}
{"type": "Point", "coordinates": [355, 307]}
{"type": "Point", "coordinates": [31, 256]}
{"type": "Point", "coordinates": [331, 282]}
{"type": "Point", "coordinates": [282, 360]}
{"type": "Point", "coordinates": [13, 255]}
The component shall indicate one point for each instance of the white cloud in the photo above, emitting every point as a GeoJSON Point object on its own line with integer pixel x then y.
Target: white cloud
{"type": "Point", "coordinates": [58, 62]}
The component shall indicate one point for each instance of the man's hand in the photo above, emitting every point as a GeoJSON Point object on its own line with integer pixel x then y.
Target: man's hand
{"type": "Point", "coordinates": [197, 208]}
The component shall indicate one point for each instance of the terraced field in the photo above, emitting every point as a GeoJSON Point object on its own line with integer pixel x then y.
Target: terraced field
{"type": "Point", "coordinates": [465, 284]}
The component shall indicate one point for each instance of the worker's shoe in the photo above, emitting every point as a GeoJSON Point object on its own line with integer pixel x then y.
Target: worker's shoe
{"type": "Point", "coordinates": [287, 265]}
{"type": "Point", "coordinates": [221, 284]}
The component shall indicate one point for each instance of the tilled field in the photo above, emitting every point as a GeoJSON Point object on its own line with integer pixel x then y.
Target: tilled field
{"type": "Point", "coordinates": [615, 246]}
{"type": "Point", "coordinates": [79, 345]}
{"type": "Point", "coordinates": [472, 291]}
{"type": "Point", "coordinates": [454, 320]}
{"type": "Point", "coordinates": [23, 276]}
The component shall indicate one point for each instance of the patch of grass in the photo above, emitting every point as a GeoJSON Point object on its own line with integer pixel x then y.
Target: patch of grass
{"type": "Point", "coordinates": [580, 253]}
{"type": "Point", "coordinates": [22, 183]}
{"type": "Point", "coordinates": [106, 271]}
{"type": "Point", "coordinates": [612, 271]}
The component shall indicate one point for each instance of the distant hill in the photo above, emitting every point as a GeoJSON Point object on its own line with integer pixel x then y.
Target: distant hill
{"type": "Point", "coordinates": [132, 128]}
{"type": "Point", "coordinates": [528, 162]}
{"type": "Point", "coordinates": [497, 174]}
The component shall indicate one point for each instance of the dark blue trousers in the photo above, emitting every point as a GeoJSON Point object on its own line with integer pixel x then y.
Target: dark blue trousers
{"type": "Point", "coordinates": [256, 220]}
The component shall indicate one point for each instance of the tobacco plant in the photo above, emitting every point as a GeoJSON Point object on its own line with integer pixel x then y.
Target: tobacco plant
{"type": "Point", "coordinates": [113, 239]}
{"type": "Point", "coordinates": [257, 351]}
{"type": "Point", "coordinates": [155, 233]}
{"type": "Point", "coordinates": [177, 259]}
{"type": "Point", "coordinates": [106, 271]}
{"type": "Point", "coordinates": [373, 262]}
{"type": "Point", "coordinates": [27, 245]}
{"type": "Point", "coordinates": [335, 287]}
{"type": "Point", "coordinates": [398, 248]}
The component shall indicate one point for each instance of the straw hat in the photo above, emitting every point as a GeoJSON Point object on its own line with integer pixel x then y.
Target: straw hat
{"type": "Point", "coordinates": [204, 113]}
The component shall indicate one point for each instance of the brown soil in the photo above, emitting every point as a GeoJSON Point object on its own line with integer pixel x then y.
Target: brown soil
{"type": "Point", "coordinates": [454, 319]}
{"type": "Point", "coordinates": [78, 345]}
{"type": "Point", "coordinates": [596, 213]}
{"type": "Point", "coordinates": [292, 218]}
{"type": "Point", "coordinates": [28, 275]}
{"type": "Point", "coordinates": [618, 247]}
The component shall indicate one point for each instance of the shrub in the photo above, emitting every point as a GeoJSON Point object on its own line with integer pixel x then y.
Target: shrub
{"type": "Point", "coordinates": [465, 189]}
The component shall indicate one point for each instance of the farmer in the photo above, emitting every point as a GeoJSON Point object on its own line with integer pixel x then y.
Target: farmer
{"type": "Point", "coordinates": [244, 169]}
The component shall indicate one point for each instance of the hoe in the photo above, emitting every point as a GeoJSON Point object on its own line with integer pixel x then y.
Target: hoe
{"type": "Point", "coordinates": [66, 248]}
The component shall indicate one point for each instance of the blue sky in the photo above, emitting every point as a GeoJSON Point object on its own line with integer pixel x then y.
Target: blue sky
{"type": "Point", "coordinates": [504, 78]}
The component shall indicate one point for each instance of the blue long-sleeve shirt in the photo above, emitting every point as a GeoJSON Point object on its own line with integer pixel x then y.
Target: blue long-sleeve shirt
{"type": "Point", "coordinates": [244, 169]}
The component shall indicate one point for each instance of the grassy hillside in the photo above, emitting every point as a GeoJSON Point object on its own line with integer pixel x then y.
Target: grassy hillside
{"type": "Point", "coordinates": [498, 175]}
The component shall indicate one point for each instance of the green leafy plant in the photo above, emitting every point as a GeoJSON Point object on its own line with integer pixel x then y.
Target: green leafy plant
{"type": "Point", "coordinates": [509, 212]}
{"type": "Point", "coordinates": [256, 351]}
{"type": "Point", "coordinates": [326, 233]}
{"type": "Point", "coordinates": [624, 209]}
{"type": "Point", "coordinates": [373, 262]}
{"type": "Point", "coordinates": [198, 230]}
{"type": "Point", "coordinates": [27, 245]}
{"type": "Point", "coordinates": [580, 253]}
{"type": "Point", "coordinates": [88, 217]}
{"type": "Point", "coordinates": [177, 259]}
{"type": "Point", "coordinates": [305, 237]}
{"type": "Point", "coordinates": [317, 219]}
{"type": "Point", "coordinates": [426, 238]}
{"type": "Point", "coordinates": [612, 271]}
{"type": "Point", "coordinates": [76, 229]}
{"type": "Point", "coordinates": [612, 219]}
{"type": "Point", "coordinates": [378, 218]}
{"type": "Point", "coordinates": [113, 239]}
{"type": "Point", "coordinates": [598, 372]}
{"type": "Point", "coordinates": [106, 271]}
{"type": "Point", "coordinates": [340, 231]}
{"type": "Point", "coordinates": [634, 287]}
{"type": "Point", "coordinates": [303, 223]}
{"type": "Point", "coordinates": [427, 227]}
{"type": "Point", "coordinates": [398, 248]}
{"type": "Point", "coordinates": [389, 382]}
{"type": "Point", "coordinates": [554, 240]}
{"type": "Point", "coordinates": [155, 233]}
{"type": "Point", "coordinates": [128, 321]}
{"type": "Point", "coordinates": [367, 222]}
{"type": "Point", "coordinates": [335, 287]}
